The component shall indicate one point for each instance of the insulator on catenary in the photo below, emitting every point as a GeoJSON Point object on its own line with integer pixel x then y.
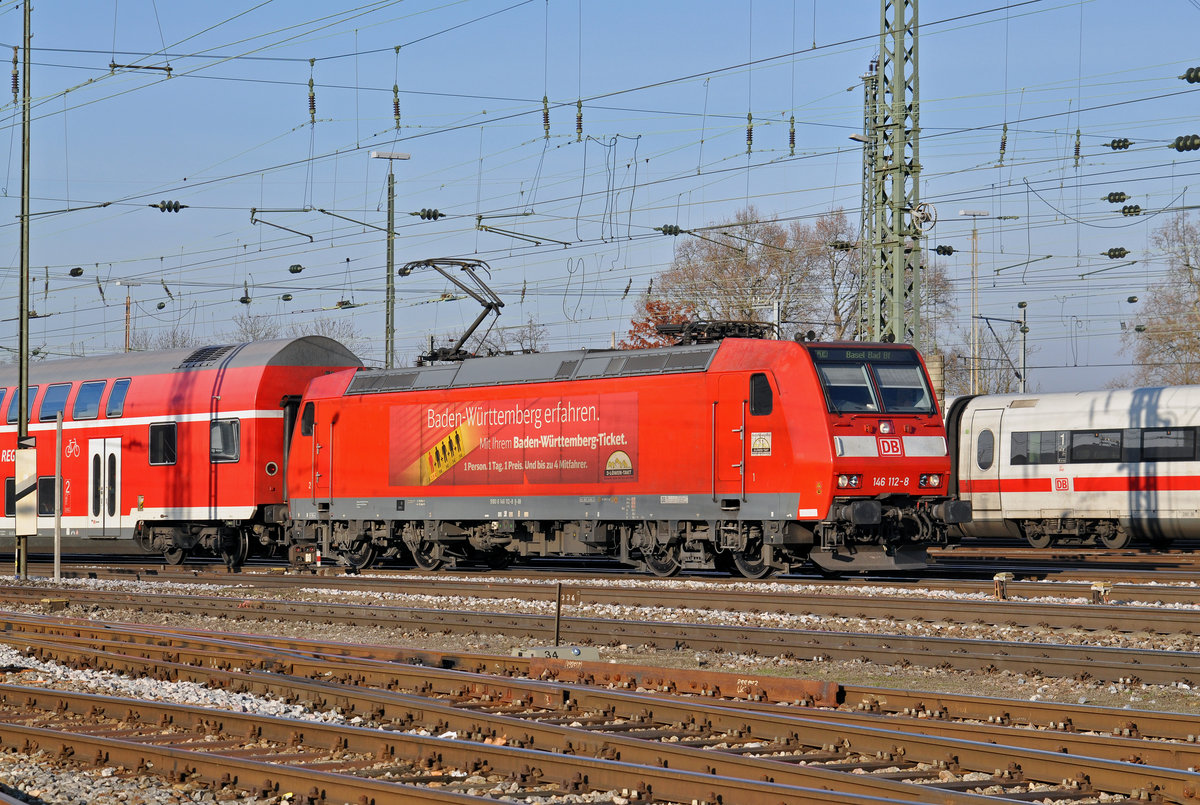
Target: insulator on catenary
{"type": "Point", "coordinates": [16, 78]}
{"type": "Point", "coordinates": [1120, 144]}
{"type": "Point", "coordinates": [1131, 209]}
{"type": "Point", "coordinates": [1191, 75]}
{"type": "Point", "coordinates": [1003, 142]}
{"type": "Point", "coordinates": [579, 120]}
{"type": "Point", "coordinates": [396, 105]}
{"type": "Point", "coordinates": [792, 136]}
{"type": "Point", "coordinates": [546, 116]}
{"type": "Point", "coordinates": [1115, 253]}
{"type": "Point", "coordinates": [749, 132]}
{"type": "Point", "coordinates": [946, 250]}
{"type": "Point", "coordinates": [670, 229]}
{"type": "Point", "coordinates": [312, 96]}
{"type": "Point", "coordinates": [1077, 148]}
{"type": "Point", "coordinates": [1115, 198]}
{"type": "Point", "coordinates": [1186, 143]}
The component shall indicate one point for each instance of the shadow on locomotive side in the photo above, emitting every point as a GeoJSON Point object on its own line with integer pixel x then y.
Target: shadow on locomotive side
{"type": "Point", "coordinates": [721, 453]}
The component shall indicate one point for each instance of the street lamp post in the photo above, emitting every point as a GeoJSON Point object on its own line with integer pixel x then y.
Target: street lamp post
{"type": "Point", "coordinates": [974, 215]}
{"type": "Point", "coordinates": [389, 338]}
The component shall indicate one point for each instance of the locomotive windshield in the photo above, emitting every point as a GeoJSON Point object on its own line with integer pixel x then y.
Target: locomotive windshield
{"type": "Point", "coordinates": [873, 380]}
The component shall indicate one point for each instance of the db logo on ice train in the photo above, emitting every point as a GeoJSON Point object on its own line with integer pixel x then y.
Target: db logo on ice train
{"type": "Point", "coordinates": [1062, 484]}
{"type": "Point", "coordinates": [890, 446]}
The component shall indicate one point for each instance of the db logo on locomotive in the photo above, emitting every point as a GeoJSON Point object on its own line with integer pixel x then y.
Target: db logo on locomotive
{"type": "Point", "coordinates": [890, 446]}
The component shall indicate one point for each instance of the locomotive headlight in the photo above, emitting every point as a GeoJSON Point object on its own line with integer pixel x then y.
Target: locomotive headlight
{"type": "Point", "coordinates": [849, 481]}
{"type": "Point", "coordinates": [885, 426]}
{"type": "Point", "coordinates": [930, 480]}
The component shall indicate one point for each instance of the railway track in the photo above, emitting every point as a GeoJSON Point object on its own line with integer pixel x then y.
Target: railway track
{"type": "Point", "coordinates": [664, 620]}
{"type": "Point", "coordinates": [532, 727]}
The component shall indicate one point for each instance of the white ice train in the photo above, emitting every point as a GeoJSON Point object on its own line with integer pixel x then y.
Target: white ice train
{"type": "Point", "coordinates": [1111, 468]}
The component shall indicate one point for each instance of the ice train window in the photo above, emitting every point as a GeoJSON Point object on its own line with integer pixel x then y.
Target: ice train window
{"type": "Point", "coordinates": [1094, 446]}
{"type": "Point", "coordinates": [985, 449]}
{"type": "Point", "coordinates": [1168, 444]}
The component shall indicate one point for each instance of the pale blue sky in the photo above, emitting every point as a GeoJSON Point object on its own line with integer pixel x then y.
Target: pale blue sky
{"type": "Point", "coordinates": [665, 91]}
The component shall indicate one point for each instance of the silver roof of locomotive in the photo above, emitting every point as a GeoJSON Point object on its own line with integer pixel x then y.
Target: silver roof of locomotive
{"type": "Point", "coordinates": [539, 367]}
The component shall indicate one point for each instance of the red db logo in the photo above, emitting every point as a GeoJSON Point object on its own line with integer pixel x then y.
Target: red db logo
{"type": "Point", "coordinates": [891, 446]}
{"type": "Point", "coordinates": [1062, 484]}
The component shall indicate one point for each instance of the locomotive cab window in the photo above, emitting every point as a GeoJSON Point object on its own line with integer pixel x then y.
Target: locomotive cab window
{"type": "Point", "coordinates": [87, 401]}
{"type": "Point", "coordinates": [116, 398]}
{"type": "Point", "coordinates": [761, 399]}
{"type": "Point", "coordinates": [307, 419]}
{"type": "Point", "coordinates": [848, 387]}
{"type": "Point", "coordinates": [985, 450]}
{"type": "Point", "coordinates": [14, 403]}
{"type": "Point", "coordinates": [903, 389]}
{"type": "Point", "coordinates": [224, 445]}
{"type": "Point", "coordinates": [162, 443]}
{"type": "Point", "coordinates": [54, 402]}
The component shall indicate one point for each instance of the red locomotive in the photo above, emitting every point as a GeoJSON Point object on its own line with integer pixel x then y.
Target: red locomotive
{"type": "Point", "coordinates": [176, 449]}
{"type": "Point", "coordinates": [744, 454]}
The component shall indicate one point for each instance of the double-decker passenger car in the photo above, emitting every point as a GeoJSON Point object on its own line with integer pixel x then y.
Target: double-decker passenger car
{"type": "Point", "coordinates": [1103, 467]}
{"type": "Point", "coordinates": [174, 449]}
{"type": "Point", "coordinates": [754, 455]}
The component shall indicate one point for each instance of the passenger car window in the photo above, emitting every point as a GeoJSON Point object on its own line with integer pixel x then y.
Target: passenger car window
{"type": "Point", "coordinates": [1102, 445]}
{"type": "Point", "coordinates": [761, 399]}
{"type": "Point", "coordinates": [45, 493]}
{"type": "Point", "coordinates": [224, 441]}
{"type": "Point", "coordinates": [54, 402]}
{"type": "Point", "coordinates": [162, 443]}
{"type": "Point", "coordinates": [985, 449]}
{"type": "Point", "coordinates": [87, 401]}
{"type": "Point", "coordinates": [14, 404]}
{"type": "Point", "coordinates": [116, 398]}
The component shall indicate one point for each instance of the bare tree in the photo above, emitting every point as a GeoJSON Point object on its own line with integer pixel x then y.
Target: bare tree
{"type": "Point", "coordinates": [249, 327]}
{"type": "Point", "coordinates": [1165, 350]}
{"type": "Point", "coordinates": [176, 337]}
{"type": "Point", "coordinates": [339, 329]}
{"type": "Point", "coordinates": [740, 270]}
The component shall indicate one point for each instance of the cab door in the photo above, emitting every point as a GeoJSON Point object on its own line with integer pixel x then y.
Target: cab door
{"type": "Point", "coordinates": [104, 488]}
{"type": "Point", "coordinates": [729, 437]}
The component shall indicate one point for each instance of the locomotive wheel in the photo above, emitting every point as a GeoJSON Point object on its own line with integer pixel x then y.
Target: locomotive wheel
{"type": "Point", "coordinates": [1115, 541]}
{"type": "Point", "coordinates": [234, 549]}
{"type": "Point", "coordinates": [175, 555]}
{"type": "Point", "coordinates": [663, 561]}
{"type": "Point", "coordinates": [429, 555]}
{"type": "Point", "coordinates": [359, 556]}
{"type": "Point", "coordinates": [751, 564]}
{"type": "Point", "coordinates": [1039, 539]}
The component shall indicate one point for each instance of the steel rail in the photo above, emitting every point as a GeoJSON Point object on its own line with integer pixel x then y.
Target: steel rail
{"type": "Point", "coordinates": [863, 733]}
{"type": "Point", "coordinates": [1071, 661]}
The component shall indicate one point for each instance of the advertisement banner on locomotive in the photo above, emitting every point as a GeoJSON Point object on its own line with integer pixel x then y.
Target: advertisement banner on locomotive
{"type": "Point", "coordinates": [547, 440]}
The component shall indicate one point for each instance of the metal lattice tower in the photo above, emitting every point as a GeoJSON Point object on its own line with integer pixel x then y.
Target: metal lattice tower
{"type": "Point", "coordinates": [894, 214]}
